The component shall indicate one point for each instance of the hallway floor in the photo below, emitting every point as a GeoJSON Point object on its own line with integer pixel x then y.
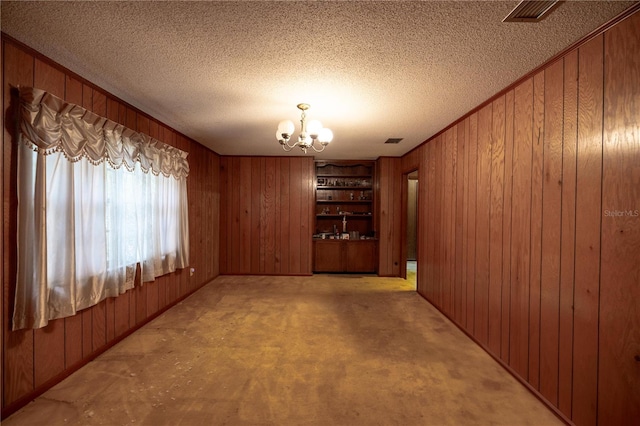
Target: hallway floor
{"type": "Point", "coordinates": [412, 272]}
{"type": "Point", "coordinates": [320, 350]}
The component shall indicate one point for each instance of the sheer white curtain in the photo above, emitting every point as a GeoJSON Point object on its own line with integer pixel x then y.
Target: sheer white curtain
{"type": "Point", "coordinates": [84, 220]}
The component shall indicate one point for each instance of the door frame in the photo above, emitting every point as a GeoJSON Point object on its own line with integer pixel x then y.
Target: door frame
{"type": "Point", "coordinates": [403, 222]}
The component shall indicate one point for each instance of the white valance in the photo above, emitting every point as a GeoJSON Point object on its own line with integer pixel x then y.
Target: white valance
{"type": "Point", "coordinates": [49, 124]}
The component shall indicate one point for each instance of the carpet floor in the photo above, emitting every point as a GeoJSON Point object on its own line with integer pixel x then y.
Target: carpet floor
{"type": "Point", "coordinates": [319, 350]}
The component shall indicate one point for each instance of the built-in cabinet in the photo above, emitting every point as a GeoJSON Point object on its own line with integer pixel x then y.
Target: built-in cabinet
{"type": "Point", "coordinates": [345, 256]}
{"type": "Point", "coordinates": [344, 239]}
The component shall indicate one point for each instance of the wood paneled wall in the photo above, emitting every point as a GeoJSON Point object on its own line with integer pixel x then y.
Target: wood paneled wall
{"type": "Point", "coordinates": [388, 214]}
{"type": "Point", "coordinates": [530, 228]}
{"type": "Point", "coordinates": [619, 308]}
{"type": "Point", "coordinates": [267, 217]}
{"type": "Point", "coordinates": [33, 360]}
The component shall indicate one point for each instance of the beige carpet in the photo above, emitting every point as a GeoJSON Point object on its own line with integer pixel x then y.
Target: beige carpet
{"type": "Point", "coordinates": [321, 350]}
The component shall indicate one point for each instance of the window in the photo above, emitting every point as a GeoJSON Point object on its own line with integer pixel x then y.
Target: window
{"type": "Point", "coordinates": [94, 201]}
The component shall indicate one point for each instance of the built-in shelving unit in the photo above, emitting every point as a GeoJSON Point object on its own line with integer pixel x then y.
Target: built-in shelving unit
{"type": "Point", "coordinates": [344, 239]}
{"type": "Point", "coordinates": [344, 192]}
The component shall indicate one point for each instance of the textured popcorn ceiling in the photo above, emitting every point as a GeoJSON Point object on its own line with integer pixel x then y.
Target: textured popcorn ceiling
{"type": "Point", "coordinates": [225, 73]}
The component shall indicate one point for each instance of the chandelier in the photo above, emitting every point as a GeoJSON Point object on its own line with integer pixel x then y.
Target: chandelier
{"type": "Point", "coordinates": [310, 133]}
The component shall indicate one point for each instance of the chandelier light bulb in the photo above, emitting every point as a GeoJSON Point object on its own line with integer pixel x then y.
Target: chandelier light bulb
{"type": "Point", "coordinates": [325, 136]}
{"type": "Point", "coordinates": [286, 127]}
{"type": "Point", "coordinates": [313, 128]}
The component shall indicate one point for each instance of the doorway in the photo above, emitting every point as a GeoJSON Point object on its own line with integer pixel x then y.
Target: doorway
{"type": "Point", "coordinates": [411, 229]}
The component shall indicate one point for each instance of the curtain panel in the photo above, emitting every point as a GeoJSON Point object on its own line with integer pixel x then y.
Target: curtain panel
{"type": "Point", "coordinates": [95, 199]}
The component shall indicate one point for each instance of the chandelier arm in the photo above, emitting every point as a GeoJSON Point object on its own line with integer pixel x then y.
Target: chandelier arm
{"type": "Point", "coordinates": [286, 147]}
{"type": "Point", "coordinates": [313, 145]}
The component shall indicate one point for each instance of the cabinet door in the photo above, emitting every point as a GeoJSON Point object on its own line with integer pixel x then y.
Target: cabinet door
{"type": "Point", "coordinates": [361, 256]}
{"type": "Point", "coordinates": [328, 256]}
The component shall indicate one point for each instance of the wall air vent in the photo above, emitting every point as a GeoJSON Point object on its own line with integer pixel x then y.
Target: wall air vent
{"type": "Point", "coordinates": [393, 140]}
{"type": "Point", "coordinates": [531, 11]}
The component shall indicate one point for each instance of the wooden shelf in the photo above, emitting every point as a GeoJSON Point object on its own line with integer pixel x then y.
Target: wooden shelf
{"type": "Point", "coordinates": [344, 201]}
{"type": "Point", "coordinates": [320, 175]}
{"type": "Point", "coordinates": [349, 215]}
{"type": "Point", "coordinates": [353, 188]}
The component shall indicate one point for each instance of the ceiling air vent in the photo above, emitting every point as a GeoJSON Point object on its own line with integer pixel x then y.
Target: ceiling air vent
{"type": "Point", "coordinates": [393, 140]}
{"type": "Point", "coordinates": [531, 11]}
